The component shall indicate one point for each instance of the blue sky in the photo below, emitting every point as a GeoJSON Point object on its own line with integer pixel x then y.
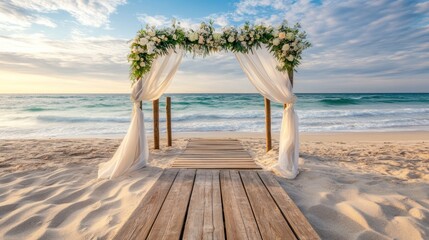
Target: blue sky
{"type": "Point", "coordinates": [81, 46]}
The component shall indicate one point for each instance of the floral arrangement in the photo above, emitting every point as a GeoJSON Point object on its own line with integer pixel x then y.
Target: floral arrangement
{"type": "Point", "coordinates": [286, 43]}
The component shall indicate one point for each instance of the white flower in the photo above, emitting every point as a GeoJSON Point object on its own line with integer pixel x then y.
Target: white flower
{"type": "Point", "coordinates": [193, 36]}
{"type": "Point", "coordinates": [293, 44]}
{"type": "Point", "coordinates": [217, 36]}
{"type": "Point", "coordinates": [276, 41]}
{"type": "Point", "coordinates": [138, 57]}
{"type": "Point", "coordinates": [243, 43]}
{"type": "Point", "coordinates": [143, 41]}
{"type": "Point", "coordinates": [155, 39]}
{"type": "Point", "coordinates": [201, 40]}
{"type": "Point", "coordinates": [150, 48]}
{"type": "Point", "coordinates": [142, 64]}
{"type": "Point", "coordinates": [151, 33]}
{"type": "Point", "coordinates": [281, 64]}
{"type": "Point", "coordinates": [282, 35]}
{"type": "Point", "coordinates": [257, 36]}
{"type": "Point", "coordinates": [290, 58]}
{"type": "Point", "coordinates": [285, 47]}
{"type": "Point", "coordinates": [289, 36]}
{"type": "Point", "coordinates": [174, 37]}
{"type": "Point", "coordinates": [241, 38]}
{"type": "Point", "coordinates": [231, 39]}
{"type": "Point", "coordinates": [138, 67]}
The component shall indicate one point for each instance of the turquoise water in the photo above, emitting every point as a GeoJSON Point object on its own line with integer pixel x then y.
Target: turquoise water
{"type": "Point", "coordinates": [33, 116]}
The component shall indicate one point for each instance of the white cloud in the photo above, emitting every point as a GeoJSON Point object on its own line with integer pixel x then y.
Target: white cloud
{"type": "Point", "coordinates": [157, 20]}
{"type": "Point", "coordinates": [18, 14]}
{"type": "Point", "coordinates": [78, 56]}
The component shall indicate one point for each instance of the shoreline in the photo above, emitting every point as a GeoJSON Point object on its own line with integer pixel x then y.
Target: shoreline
{"type": "Point", "coordinates": [304, 136]}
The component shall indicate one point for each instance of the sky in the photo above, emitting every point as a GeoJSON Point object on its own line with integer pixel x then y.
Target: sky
{"type": "Point", "coordinates": [65, 46]}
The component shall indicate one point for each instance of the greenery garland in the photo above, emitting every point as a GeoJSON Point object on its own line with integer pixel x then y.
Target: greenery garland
{"type": "Point", "coordinates": [286, 43]}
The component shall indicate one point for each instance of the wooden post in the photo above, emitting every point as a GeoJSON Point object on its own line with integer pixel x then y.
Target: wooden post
{"type": "Point", "coordinates": [141, 105]}
{"type": "Point", "coordinates": [155, 109]}
{"type": "Point", "coordinates": [268, 123]}
{"type": "Point", "coordinates": [168, 111]}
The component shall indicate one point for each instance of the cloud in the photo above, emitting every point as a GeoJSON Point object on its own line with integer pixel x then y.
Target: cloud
{"type": "Point", "coordinates": [13, 18]}
{"type": "Point", "coordinates": [80, 56]}
{"type": "Point", "coordinates": [18, 15]}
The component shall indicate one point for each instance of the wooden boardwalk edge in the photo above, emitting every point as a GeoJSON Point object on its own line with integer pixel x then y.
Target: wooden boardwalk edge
{"type": "Point", "coordinates": [216, 204]}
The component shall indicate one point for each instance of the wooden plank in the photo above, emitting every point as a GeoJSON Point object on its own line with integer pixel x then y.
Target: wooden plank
{"type": "Point", "coordinates": [239, 220]}
{"type": "Point", "coordinates": [271, 222]}
{"type": "Point", "coordinates": [220, 151]}
{"type": "Point", "coordinates": [205, 217]}
{"type": "Point", "coordinates": [214, 162]}
{"type": "Point", "coordinates": [168, 118]}
{"type": "Point", "coordinates": [294, 216]}
{"type": "Point", "coordinates": [214, 158]}
{"type": "Point", "coordinates": [171, 217]}
{"type": "Point", "coordinates": [141, 220]}
{"type": "Point", "coordinates": [218, 166]}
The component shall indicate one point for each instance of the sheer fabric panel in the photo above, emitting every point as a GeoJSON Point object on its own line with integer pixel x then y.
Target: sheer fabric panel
{"type": "Point", "coordinates": [261, 69]}
{"type": "Point", "coordinates": [133, 153]}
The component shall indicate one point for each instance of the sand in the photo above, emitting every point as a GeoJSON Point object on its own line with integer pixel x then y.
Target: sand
{"type": "Point", "coordinates": [351, 185]}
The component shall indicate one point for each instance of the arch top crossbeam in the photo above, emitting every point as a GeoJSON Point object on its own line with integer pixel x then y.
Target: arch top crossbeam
{"type": "Point", "coordinates": [284, 42]}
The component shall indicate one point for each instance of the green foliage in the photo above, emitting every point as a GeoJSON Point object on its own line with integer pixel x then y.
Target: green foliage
{"type": "Point", "coordinates": [284, 42]}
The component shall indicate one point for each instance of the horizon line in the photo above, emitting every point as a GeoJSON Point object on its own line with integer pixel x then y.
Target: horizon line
{"type": "Point", "coordinates": [213, 93]}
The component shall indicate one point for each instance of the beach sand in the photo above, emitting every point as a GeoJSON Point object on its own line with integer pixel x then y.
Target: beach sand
{"type": "Point", "coordinates": [351, 185]}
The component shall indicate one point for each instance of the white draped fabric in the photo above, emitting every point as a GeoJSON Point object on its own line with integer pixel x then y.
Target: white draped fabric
{"type": "Point", "coordinates": [133, 153]}
{"type": "Point", "coordinates": [260, 68]}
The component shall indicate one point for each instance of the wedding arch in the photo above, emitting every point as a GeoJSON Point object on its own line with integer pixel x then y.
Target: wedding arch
{"type": "Point", "coordinates": [268, 56]}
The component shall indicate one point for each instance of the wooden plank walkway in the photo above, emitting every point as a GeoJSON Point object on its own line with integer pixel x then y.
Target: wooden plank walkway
{"type": "Point", "coordinates": [215, 154]}
{"type": "Point", "coordinates": [216, 204]}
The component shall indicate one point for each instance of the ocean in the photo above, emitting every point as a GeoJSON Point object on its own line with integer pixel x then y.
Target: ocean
{"type": "Point", "coordinates": [39, 116]}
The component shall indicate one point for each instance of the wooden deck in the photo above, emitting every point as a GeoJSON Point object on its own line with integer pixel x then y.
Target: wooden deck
{"type": "Point", "coordinates": [215, 154]}
{"type": "Point", "coordinates": [216, 204]}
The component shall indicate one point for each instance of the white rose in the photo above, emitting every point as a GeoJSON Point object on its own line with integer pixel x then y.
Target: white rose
{"type": "Point", "coordinates": [285, 47]}
{"type": "Point", "coordinates": [138, 57]}
{"type": "Point", "coordinates": [289, 36]}
{"type": "Point", "coordinates": [155, 39]}
{"type": "Point", "coordinates": [241, 38]}
{"type": "Point", "coordinates": [138, 67]}
{"type": "Point", "coordinates": [257, 36]}
{"type": "Point", "coordinates": [174, 37]}
{"type": "Point", "coordinates": [201, 40]}
{"type": "Point", "coordinates": [151, 33]}
{"type": "Point", "coordinates": [231, 39]}
{"type": "Point", "coordinates": [282, 35]}
{"type": "Point", "coordinates": [281, 64]}
{"type": "Point", "coordinates": [217, 36]}
{"type": "Point", "coordinates": [293, 44]}
{"type": "Point", "coordinates": [276, 41]}
{"type": "Point", "coordinates": [290, 58]}
{"type": "Point", "coordinates": [142, 64]}
{"type": "Point", "coordinates": [193, 36]}
{"type": "Point", "coordinates": [143, 41]}
{"type": "Point", "coordinates": [243, 43]}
